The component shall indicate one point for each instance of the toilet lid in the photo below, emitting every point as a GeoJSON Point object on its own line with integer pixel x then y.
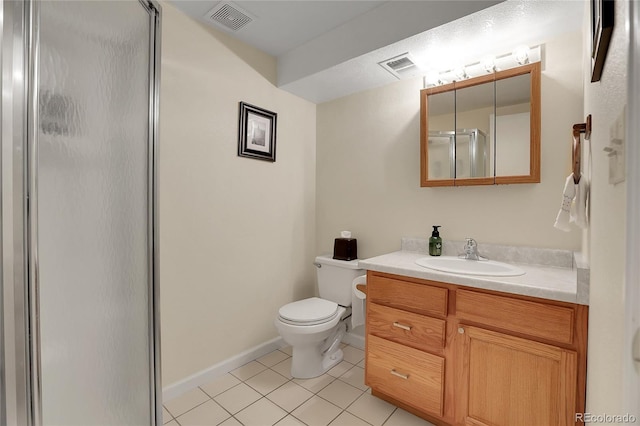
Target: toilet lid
{"type": "Point", "coordinates": [312, 310]}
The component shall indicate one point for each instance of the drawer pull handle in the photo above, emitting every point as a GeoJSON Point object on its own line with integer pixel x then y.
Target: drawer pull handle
{"type": "Point", "coordinates": [402, 376]}
{"type": "Point", "coordinates": [402, 326]}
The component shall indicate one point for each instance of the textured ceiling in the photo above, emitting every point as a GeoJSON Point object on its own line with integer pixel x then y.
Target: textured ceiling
{"type": "Point", "coordinates": [281, 26]}
{"type": "Point", "coordinates": [329, 49]}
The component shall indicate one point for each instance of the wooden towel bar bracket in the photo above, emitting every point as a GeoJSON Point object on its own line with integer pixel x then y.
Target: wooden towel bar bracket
{"type": "Point", "coordinates": [577, 130]}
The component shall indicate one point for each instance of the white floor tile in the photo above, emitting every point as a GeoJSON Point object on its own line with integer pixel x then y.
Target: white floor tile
{"type": "Point", "coordinates": [290, 421]}
{"type": "Point", "coordinates": [273, 358]}
{"type": "Point", "coordinates": [231, 422]}
{"type": "Point", "coordinates": [166, 416]}
{"type": "Point", "coordinates": [237, 398]}
{"type": "Point", "coordinates": [316, 384]}
{"type": "Point", "coordinates": [263, 393]}
{"type": "Point", "coordinates": [185, 402]}
{"type": "Point", "coordinates": [261, 413]}
{"type": "Point", "coordinates": [348, 419]}
{"type": "Point", "coordinates": [317, 412]}
{"type": "Point", "coordinates": [289, 396]}
{"type": "Point", "coordinates": [287, 350]}
{"type": "Point", "coordinates": [371, 409]}
{"type": "Point", "coordinates": [340, 369]}
{"type": "Point", "coordinates": [207, 414]}
{"type": "Point", "coordinates": [267, 381]}
{"type": "Point", "coordinates": [353, 355]}
{"type": "Point", "coordinates": [340, 394]}
{"type": "Point", "coordinates": [283, 368]}
{"type": "Point", "coordinates": [404, 418]}
{"type": "Point", "coordinates": [355, 377]}
{"type": "Point", "coordinates": [248, 370]}
{"type": "Point", "coordinates": [219, 385]}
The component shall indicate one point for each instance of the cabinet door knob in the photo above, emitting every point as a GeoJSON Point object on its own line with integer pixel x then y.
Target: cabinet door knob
{"type": "Point", "coordinates": [402, 376]}
{"type": "Point", "coordinates": [402, 326]}
{"type": "Point", "coordinates": [461, 330]}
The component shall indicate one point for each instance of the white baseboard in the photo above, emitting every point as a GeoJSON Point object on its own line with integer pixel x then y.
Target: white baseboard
{"type": "Point", "coordinates": [185, 385]}
{"type": "Point", "coordinates": [354, 339]}
{"type": "Point", "coordinates": [176, 389]}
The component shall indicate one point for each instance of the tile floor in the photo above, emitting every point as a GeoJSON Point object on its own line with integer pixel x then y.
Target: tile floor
{"type": "Point", "coordinates": [263, 393]}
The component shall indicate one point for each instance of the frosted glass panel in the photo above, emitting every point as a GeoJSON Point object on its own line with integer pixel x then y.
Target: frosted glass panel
{"type": "Point", "coordinates": [92, 213]}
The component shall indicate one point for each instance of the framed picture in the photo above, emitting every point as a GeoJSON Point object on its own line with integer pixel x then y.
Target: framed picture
{"type": "Point", "coordinates": [602, 12]}
{"type": "Point", "coordinates": [257, 133]}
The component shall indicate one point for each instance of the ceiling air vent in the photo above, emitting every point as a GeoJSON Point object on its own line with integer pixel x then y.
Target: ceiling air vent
{"type": "Point", "coordinates": [229, 16]}
{"type": "Point", "coordinates": [400, 66]}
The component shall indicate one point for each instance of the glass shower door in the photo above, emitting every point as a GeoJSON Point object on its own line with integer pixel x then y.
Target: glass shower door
{"type": "Point", "coordinates": [91, 235]}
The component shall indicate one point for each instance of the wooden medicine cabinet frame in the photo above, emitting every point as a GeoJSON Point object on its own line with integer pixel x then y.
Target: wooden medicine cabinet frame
{"type": "Point", "coordinates": [534, 132]}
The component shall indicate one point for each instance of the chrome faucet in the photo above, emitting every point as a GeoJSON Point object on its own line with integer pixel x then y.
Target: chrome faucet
{"type": "Point", "coordinates": [471, 249]}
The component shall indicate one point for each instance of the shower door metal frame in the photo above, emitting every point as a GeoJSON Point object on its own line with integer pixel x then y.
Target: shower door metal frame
{"type": "Point", "coordinates": [21, 384]}
{"type": "Point", "coordinates": [17, 393]}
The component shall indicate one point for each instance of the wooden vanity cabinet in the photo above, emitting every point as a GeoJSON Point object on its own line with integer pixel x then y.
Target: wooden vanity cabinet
{"type": "Point", "coordinates": [406, 343]}
{"type": "Point", "coordinates": [460, 356]}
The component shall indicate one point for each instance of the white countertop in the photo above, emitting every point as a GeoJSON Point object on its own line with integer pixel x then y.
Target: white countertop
{"type": "Point", "coordinates": [546, 282]}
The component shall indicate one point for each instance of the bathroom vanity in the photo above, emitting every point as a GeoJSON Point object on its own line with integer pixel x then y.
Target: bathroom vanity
{"type": "Point", "coordinates": [468, 350]}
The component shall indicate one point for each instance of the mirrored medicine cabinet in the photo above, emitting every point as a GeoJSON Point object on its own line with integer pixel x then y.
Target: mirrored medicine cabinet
{"type": "Point", "coordinates": [483, 130]}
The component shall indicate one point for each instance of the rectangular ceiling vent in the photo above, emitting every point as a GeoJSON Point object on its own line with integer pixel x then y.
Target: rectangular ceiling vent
{"type": "Point", "coordinates": [229, 16]}
{"type": "Point", "coordinates": [400, 66]}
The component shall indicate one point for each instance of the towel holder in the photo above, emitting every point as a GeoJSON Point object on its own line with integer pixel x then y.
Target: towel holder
{"type": "Point", "coordinates": [575, 158]}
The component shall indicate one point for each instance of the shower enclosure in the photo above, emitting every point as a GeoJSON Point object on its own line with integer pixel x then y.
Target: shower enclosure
{"type": "Point", "coordinates": [79, 336]}
{"type": "Point", "coordinates": [460, 154]}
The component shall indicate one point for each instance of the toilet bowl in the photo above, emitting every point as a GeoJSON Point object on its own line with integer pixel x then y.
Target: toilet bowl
{"type": "Point", "coordinates": [314, 327]}
{"type": "Point", "coordinates": [315, 339]}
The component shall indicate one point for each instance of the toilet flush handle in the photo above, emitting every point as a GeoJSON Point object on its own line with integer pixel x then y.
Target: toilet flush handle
{"type": "Point", "coordinates": [318, 265]}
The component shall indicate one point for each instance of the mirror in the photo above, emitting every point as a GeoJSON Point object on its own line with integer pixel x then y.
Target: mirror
{"type": "Point", "coordinates": [475, 106]}
{"type": "Point", "coordinates": [441, 136]}
{"type": "Point", "coordinates": [512, 124]}
{"type": "Point", "coordinates": [482, 131]}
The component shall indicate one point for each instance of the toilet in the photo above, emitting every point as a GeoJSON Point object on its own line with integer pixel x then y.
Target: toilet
{"type": "Point", "coordinates": [314, 327]}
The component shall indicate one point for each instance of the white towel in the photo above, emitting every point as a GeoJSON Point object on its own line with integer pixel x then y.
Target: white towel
{"type": "Point", "coordinates": [574, 204]}
{"type": "Point", "coordinates": [357, 302]}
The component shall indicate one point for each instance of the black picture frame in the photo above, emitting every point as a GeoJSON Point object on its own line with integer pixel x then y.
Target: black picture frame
{"type": "Point", "coordinates": [257, 133]}
{"type": "Point", "coordinates": [602, 20]}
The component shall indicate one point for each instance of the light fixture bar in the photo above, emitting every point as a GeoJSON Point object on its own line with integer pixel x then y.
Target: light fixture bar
{"type": "Point", "coordinates": [489, 64]}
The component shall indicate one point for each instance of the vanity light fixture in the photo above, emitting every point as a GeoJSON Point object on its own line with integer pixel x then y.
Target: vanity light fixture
{"type": "Point", "coordinates": [521, 54]}
{"type": "Point", "coordinates": [460, 73]}
{"type": "Point", "coordinates": [433, 78]}
{"type": "Point", "coordinates": [489, 64]}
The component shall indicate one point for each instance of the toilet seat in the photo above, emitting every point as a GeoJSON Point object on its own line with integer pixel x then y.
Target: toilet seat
{"type": "Point", "coordinates": [307, 312]}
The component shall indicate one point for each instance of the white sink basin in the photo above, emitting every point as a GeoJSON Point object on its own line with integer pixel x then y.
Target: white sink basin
{"type": "Point", "coordinates": [457, 265]}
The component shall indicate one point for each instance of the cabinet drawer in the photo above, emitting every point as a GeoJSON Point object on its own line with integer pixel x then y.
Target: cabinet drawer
{"type": "Point", "coordinates": [417, 298]}
{"type": "Point", "coordinates": [532, 318]}
{"type": "Point", "coordinates": [407, 328]}
{"type": "Point", "coordinates": [408, 375]}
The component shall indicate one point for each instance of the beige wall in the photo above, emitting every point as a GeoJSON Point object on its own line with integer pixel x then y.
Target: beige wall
{"type": "Point", "coordinates": [605, 101]}
{"type": "Point", "coordinates": [236, 234]}
{"type": "Point", "coordinates": [368, 170]}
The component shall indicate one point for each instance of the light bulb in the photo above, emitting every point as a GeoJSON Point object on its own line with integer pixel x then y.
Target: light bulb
{"type": "Point", "coordinates": [489, 63]}
{"type": "Point", "coordinates": [521, 54]}
{"type": "Point", "coordinates": [460, 73]}
{"type": "Point", "coordinates": [432, 77]}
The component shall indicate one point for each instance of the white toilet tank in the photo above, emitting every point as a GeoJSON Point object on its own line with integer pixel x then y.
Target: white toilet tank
{"type": "Point", "coordinates": [335, 278]}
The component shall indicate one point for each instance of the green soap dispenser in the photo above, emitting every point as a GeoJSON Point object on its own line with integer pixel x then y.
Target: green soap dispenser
{"type": "Point", "coordinates": [435, 242]}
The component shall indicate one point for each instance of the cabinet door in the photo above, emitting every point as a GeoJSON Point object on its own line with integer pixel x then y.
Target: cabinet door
{"type": "Point", "coordinates": [509, 381]}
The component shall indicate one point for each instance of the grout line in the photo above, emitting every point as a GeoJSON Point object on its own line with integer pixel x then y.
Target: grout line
{"type": "Point", "coordinates": [392, 413]}
{"type": "Point", "coordinates": [331, 379]}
